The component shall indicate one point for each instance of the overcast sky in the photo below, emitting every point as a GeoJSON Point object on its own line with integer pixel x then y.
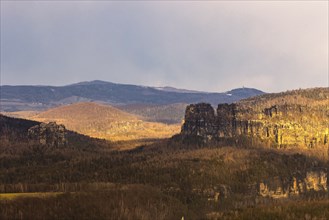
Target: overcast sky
{"type": "Point", "coordinates": [211, 46]}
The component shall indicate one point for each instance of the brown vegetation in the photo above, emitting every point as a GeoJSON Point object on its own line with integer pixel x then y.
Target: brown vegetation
{"type": "Point", "coordinates": [104, 121]}
{"type": "Point", "coordinates": [117, 202]}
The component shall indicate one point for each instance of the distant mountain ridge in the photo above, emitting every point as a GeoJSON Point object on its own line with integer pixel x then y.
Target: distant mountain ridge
{"type": "Point", "coordinates": [21, 98]}
{"type": "Point", "coordinates": [172, 89]}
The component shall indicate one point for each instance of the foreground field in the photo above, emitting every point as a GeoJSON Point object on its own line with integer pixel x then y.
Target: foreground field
{"type": "Point", "coordinates": [142, 202]}
{"type": "Point", "coordinates": [124, 202]}
{"type": "Point", "coordinates": [13, 196]}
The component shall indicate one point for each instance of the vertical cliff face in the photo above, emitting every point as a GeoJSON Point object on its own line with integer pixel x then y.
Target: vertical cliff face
{"type": "Point", "coordinates": [278, 120]}
{"type": "Point", "coordinates": [200, 121]}
{"type": "Point", "coordinates": [226, 120]}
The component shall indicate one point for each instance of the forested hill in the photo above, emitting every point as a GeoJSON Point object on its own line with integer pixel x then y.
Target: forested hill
{"type": "Point", "coordinates": [18, 98]}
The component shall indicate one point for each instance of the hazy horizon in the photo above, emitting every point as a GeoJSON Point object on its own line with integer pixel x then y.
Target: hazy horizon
{"type": "Point", "coordinates": [203, 46]}
{"type": "Point", "coordinates": [152, 86]}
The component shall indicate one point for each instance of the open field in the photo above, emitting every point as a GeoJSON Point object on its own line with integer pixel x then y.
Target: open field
{"type": "Point", "coordinates": [11, 196]}
{"type": "Point", "coordinates": [125, 202]}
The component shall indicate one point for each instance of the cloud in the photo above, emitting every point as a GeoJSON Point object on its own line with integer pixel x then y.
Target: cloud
{"type": "Point", "coordinates": [212, 46]}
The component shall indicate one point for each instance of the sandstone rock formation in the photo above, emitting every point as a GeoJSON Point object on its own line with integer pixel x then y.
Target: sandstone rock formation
{"type": "Point", "coordinates": [48, 134]}
{"type": "Point", "coordinates": [200, 121]}
{"type": "Point", "coordinates": [284, 120]}
{"type": "Point", "coordinates": [279, 188]}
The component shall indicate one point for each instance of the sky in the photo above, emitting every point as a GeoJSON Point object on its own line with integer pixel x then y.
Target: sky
{"type": "Point", "coordinates": [201, 45]}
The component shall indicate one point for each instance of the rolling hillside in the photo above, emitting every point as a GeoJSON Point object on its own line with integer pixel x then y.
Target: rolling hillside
{"type": "Point", "coordinates": [23, 98]}
{"type": "Point", "coordinates": [104, 121]}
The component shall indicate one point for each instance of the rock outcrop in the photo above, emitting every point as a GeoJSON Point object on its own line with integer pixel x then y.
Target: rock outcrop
{"type": "Point", "coordinates": [200, 121]}
{"type": "Point", "coordinates": [48, 134]}
{"type": "Point", "coordinates": [279, 188]}
{"type": "Point", "coordinates": [279, 121]}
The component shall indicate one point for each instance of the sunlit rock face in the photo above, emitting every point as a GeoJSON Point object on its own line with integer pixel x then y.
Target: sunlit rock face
{"type": "Point", "coordinates": [282, 121]}
{"type": "Point", "coordinates": [316, 181]}
{"type": "Point", "coordinates": [279, 188]}
{"type": "Point", "coordinates": [48, 134]}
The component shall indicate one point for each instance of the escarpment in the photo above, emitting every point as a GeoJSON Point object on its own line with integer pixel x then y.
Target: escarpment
{"type": "Point", "coordinates": [292, 119]}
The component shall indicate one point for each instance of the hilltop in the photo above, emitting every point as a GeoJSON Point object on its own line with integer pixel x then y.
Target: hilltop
{"type": "Point", "coordinates": [86, 112]}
